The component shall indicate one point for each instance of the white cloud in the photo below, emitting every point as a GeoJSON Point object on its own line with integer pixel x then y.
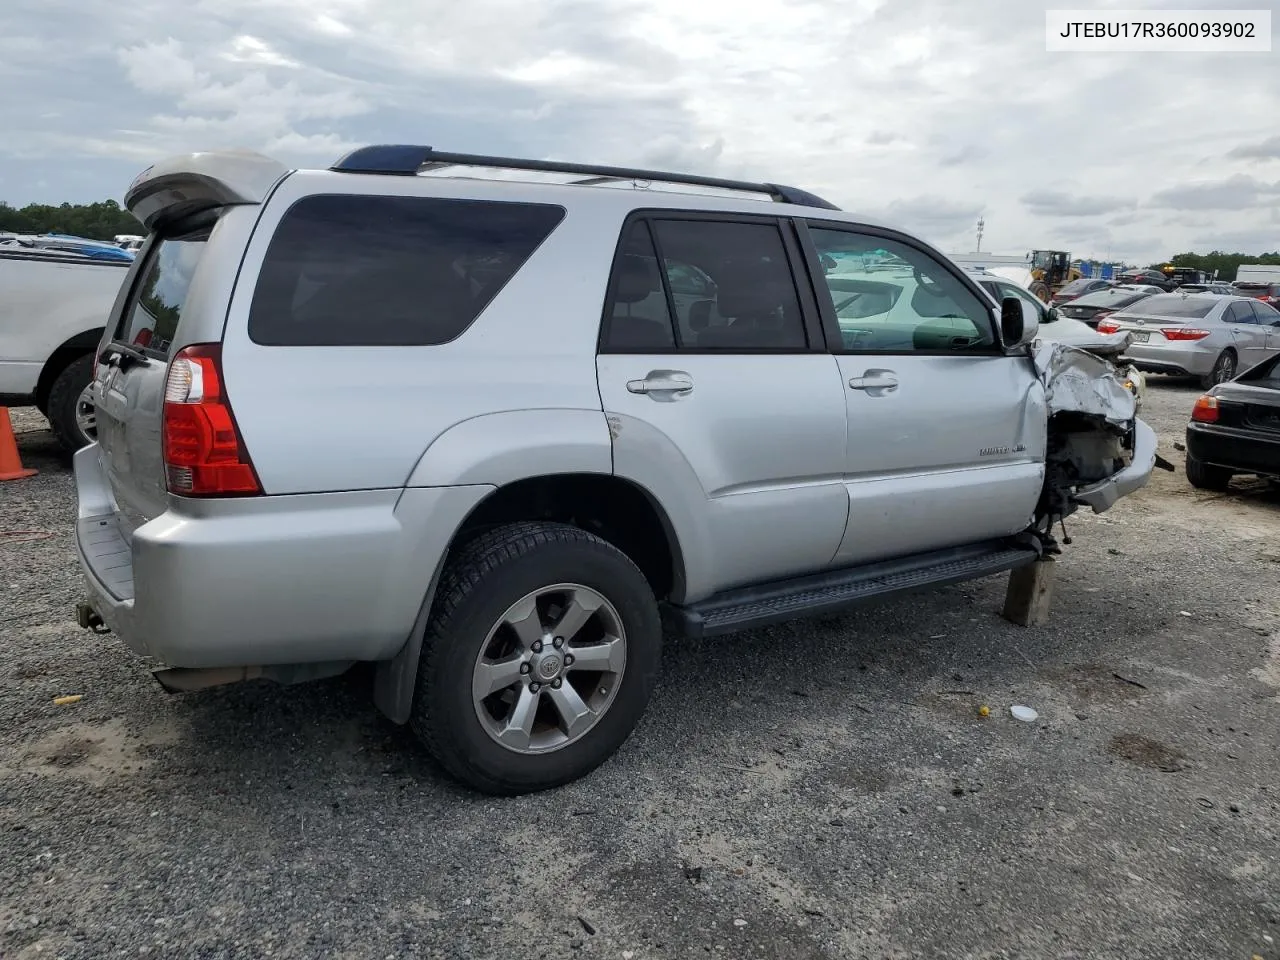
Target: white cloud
{"type": "Point", "coordinates": [924, 112]}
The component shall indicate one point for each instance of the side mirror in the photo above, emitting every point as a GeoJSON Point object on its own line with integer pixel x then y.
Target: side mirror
{"type": "Point", "coordinates": [1051, 315]}
{"type": "Point", "coordinates": [1019, 322]}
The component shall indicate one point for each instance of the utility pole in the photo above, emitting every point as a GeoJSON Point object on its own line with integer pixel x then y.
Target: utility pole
{"type": "Point", "coordinates": [981, 223]}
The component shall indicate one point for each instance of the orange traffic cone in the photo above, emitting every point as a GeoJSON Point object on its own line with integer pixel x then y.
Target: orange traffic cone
{"type": "Point", "coordinates": [10, 463]}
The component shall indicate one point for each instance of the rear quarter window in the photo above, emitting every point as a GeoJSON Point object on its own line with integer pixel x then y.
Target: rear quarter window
{"type": "Point", "coordinates": [389, 271]}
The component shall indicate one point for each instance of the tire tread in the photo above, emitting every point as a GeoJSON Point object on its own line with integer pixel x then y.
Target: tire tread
{"type": "Point", "coordinates": [477, 559]}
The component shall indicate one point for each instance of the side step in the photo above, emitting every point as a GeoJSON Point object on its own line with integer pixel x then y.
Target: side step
{"type": "Point", "coordinates": [748, 607]}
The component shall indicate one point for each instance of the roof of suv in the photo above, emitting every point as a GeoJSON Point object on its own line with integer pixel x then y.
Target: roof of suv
{"type": "Point", "coordinates": [164, 191]}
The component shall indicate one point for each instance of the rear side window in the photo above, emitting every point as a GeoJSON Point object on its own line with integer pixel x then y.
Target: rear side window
{"type": "Point", "coordinates": [389, 271]}
{"type": "Point", "coordinates": [151, 321]}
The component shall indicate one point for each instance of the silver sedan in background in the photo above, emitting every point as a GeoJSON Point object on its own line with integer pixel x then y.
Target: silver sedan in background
{"type": "Point", "coordinates": [1198, 334]}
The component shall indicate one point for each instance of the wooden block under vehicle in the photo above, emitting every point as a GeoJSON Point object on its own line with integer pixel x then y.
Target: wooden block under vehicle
{"type": "Point", "coordinates": [1030, 592]}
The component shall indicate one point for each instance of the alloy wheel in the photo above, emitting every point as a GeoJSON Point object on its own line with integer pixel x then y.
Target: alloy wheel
{"type": "Point", "coordinates": [549, 669]}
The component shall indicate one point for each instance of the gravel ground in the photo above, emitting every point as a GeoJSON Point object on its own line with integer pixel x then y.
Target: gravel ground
{"type": "Point", "coordinates": [824, 789]}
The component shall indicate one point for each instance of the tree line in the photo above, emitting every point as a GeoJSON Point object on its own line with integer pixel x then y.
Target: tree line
{"type": "Point", "coordinates": [107, 219]}
{"type": "Point", "coordinates": [1225, 264]}
{"type": "Point", "coordinates": [93, 221]}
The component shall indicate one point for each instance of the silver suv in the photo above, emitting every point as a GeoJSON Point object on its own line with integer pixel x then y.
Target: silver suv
{"type": "Point", "coordinates": [494, 433]}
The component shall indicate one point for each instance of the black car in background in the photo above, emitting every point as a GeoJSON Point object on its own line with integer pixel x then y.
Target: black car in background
{"type": "Point", "coordinates": [1152, 278]}
{"type": "Point", "coordinates": [1078, 288]}
{"type": "Point", "coordinates": [1100, 304]}
{"type": "Point", "coordinates": [1235, 428]}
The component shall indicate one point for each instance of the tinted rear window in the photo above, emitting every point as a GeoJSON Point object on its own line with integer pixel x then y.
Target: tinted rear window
{"type": "Point", "coordinates": [389, 271]}
{"type": "Point", "coordinates": [151, 321]}
{"type": "Point", "coordinates": [1112, 299]}
{"type": "Point", "coordinates": [1079, 286]}
{"type": "Point", "coordinates": [1173, 305]}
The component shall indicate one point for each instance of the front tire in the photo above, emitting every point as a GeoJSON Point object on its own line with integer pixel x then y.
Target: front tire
{"type": "Point", "coordinates": [1205, 476]}
{"type": "Point", "coordinates": [1041, 290]}
{"type": "Point", "coordinates": [71, 413]}
{"type": "Point", "coordinates": [540, 655]}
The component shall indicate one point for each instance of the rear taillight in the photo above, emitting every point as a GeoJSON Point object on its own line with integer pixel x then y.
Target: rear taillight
{"type": "Point", "coordinates": [1103, 314]}
{"type": "Point", "coordinates": [204, 455]}
{"type": "Point", "coordinates": [1205, 410]}
{"type": "Point", "coordinates": [1108, 326]}
{"type": "Point", "coordinates": [1184, 333]}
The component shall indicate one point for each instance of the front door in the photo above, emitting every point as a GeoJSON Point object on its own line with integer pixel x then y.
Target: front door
{"type": "Point", "coordinates": [946, 434]}
{"type": "Point", "coordinates": [722, 400]}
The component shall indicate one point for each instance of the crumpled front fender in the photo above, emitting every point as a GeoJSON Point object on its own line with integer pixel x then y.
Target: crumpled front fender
{"type": "Point", "coordinates": [1078, 381]}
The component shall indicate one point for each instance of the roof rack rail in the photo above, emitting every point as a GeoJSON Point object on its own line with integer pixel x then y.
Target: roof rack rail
{"type": "Point", "coordinates": [408, 160]}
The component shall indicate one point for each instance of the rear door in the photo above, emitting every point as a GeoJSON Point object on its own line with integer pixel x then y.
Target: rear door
{"type": "Point", "coordinates": [130, 379]}
{"type": "Point", "coordinates": [946, 434]}
{"type": "Point", "coordinates": [1250, 337]}
{"type": "Point", "coordinates": [721, 396]}
{"type": "Point", "coordinates": [1269, 320]}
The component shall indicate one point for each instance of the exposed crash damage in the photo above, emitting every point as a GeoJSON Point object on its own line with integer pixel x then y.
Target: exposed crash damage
{"type": "Point", "coordinates": [1098, 449]}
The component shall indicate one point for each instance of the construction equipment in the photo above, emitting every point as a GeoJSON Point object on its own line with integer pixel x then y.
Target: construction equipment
{"type": "Point", "coordinates": [1050, 271]}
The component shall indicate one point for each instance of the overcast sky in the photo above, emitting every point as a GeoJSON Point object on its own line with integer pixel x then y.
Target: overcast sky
{"type": "Point", "coordinates": [927, 114]}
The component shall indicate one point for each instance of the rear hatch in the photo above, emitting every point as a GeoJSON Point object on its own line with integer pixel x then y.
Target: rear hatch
{"type": "Point", "coordinates": [200, 210]}
{"type": "Point", "coordinates": [131, 371]}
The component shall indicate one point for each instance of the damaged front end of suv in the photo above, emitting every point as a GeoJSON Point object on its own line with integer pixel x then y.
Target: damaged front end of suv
{"type": "Point", "coordinates": [1098, 449]}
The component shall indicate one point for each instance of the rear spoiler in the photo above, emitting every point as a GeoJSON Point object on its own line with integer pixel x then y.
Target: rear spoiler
{"type": "Point", "coordinates": [184, 185]}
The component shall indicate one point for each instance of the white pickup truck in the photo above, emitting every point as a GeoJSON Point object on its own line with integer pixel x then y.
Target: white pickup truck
{"type": "Point", "coordinates": [53, 307]}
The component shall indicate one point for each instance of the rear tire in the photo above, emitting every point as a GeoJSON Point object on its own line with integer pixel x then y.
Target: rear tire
{"type": "Point", "coordinates": [66, 412]}
{"type": "Point", "coordinates": [1224, 368]}
{"type": "Point", "coordinates": [1205, 476]}
{"type": "Point", "coordinates": [471, 630]}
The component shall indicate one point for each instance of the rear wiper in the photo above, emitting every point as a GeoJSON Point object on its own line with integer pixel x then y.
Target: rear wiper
{"type": "Point", "coordinates": [126, 352]}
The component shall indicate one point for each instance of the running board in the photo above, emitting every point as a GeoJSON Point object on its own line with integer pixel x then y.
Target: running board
{"type": "Point", "coordinates": [822, 593]}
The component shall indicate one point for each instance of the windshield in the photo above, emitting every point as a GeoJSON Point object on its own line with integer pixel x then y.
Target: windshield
{"type": "Point", "coordinates": [1173, 305]}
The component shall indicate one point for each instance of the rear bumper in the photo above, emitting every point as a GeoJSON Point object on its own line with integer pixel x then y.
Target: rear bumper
{"type": "Point", "coordinates": [265, 580]}
{"type": "Point", "coordinates": [1169, 359]}
{"type": "Point", "coordinates": [1245, 451]}
{"type": "Point", "coordinates": [1103, 494]}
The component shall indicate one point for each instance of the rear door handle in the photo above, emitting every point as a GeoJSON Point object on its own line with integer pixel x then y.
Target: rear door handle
{"type": "Point", "coordinates": [875, 380]}
{"type": "Point", "coordinates": [663, 385]}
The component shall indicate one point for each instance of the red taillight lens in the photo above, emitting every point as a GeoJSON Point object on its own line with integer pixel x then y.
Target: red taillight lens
{"type": "Point", "coordinates": [1205, 410]}
{"type": "Point", "coordinates": [203, 453]}
{"type": "Point", "coordinates": [1108, 326]}
{"type": "Point", "coordinates": [1184, 333]}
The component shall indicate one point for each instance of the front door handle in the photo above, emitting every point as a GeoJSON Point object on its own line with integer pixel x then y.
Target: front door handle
{"type": "Point", "coordinates": [878, 380]}
{"type": "Point", "coordinates": [663, 385]}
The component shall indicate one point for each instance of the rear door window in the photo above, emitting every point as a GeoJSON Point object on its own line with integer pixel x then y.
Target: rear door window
{"type": "Point", "coordinates": [151, 321]}
{"type": "Point", "coordinates": [1240, 312]}
{"type": "Point", "coordinates": [389, 271]}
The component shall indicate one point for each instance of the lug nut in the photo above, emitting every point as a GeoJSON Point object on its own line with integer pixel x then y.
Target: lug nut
{"type": "Point", "coordinates": [558, 642]}
{"type": "Point", "coordinates": [535, 687]}
{"type": "Point", "coordinates": [568, 659]}
{"type": "Point", "coordinates": [556, 683]}
{"type": "Point", "coordinates": [537, 646]}
{"type": "Point", "coordinates": [524, 668]}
